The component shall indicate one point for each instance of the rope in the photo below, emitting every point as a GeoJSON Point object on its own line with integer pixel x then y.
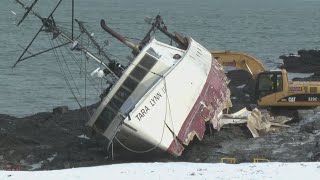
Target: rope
{"type": "Point", "coordinates": [169, 106]}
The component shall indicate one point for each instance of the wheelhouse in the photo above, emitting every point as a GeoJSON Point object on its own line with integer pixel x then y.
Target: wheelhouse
{"type": "Point", "coordinates": [268, 82]}
{"type": "Point", "coordinates": [145, 71]}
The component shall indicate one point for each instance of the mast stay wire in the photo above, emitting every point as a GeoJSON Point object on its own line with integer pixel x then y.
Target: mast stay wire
{"type": "Point", "coordinates": [64, 75]}
{"type": "Point", "coordinates": [67, 81]}
{"type": "Point", "coordinates": [93, 82]}
{"type": "Point", "coordinates": [67, 66]}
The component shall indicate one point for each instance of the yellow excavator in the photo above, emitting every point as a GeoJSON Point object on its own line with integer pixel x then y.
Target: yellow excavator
{"type": "Point", "coordinates": [272, 87]}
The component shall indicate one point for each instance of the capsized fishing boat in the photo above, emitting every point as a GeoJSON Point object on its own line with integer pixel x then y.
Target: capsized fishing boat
{"type": "Point", "coordinates": [166, 94]}
{"type": "Point", "coordinates": [163, 98]}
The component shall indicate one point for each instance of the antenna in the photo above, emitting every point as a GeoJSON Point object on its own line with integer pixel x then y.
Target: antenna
{"type": "Point", "coordinates": [72, 19]}
{"type": "Point", "coordinates": [95, 43]}
{"type": "Point", "coordinates": [159, 24]}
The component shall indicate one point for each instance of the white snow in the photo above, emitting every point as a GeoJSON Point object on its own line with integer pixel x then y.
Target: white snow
{"type": "Point", "coordinates": [241, 86]}
{"type": "Point", "coordinates": [39, 164]}
{"type": "Point", "coordinates": [52, 157]}
{"type": "Point", "coordinates": [292, 171]}
{"type": "Point", "coordinates": [83, 136]}
{"type": "Point", "coordinates": [36, 166]}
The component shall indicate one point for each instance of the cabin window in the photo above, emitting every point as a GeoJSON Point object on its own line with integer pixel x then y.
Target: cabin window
{"type": "Point", "coordinates": [148, 62]}
{"type": "Point", "coordinates": [125, 90]}
{"type": "Point", "coordinates": [265, 82]}
{"type": "Point", "coordinates": [102, 122]}
{"type": "Point", "coordinates": [153, 53]}
{"type": "Point", "coordinates": [116, 103]}
{"type": "Point", "coordinates": [130, 83]}
{"type": "Point", "coordinates": [313, 89]}
{"type": "Point", "coordinates": [138, 73]}
{"type": "Point", "coordinates": [123, 93]}
{"type": "Point", "coordinates": [269, 83]}
{"type": "Point", "coordinates": [278, 83]}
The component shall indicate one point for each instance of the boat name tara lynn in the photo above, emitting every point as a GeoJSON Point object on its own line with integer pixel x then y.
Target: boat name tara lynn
{"type": "Point", "coordinates": [152, 102]}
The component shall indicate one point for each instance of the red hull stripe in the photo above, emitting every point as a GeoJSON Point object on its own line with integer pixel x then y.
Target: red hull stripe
{"type": "Point", "coordinates": [213, 95]}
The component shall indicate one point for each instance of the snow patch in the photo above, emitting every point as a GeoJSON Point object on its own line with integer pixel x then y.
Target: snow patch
{"type": "Point", "coordinates": [241, 86]}
{"type": "Point", "coordinates": [36, 166]}
{"type": "Point", "coordinates": [310, 171]}
{"type": "Point", "coordinates": [83, 136]}
{"type": "Point", "coordinates": [52, 157]}
{"type": "Point", "coordinates": [40, 164]}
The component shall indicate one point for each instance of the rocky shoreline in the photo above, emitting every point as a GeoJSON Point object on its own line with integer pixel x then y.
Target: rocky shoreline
{"type": "Point", "coordinates": [305, 61]}
{"type": "Point", "coordinates": [60, 139]}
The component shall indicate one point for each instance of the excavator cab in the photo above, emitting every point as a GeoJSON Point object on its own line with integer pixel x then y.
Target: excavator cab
{"type": "Point", "coordinates": [267, 83]}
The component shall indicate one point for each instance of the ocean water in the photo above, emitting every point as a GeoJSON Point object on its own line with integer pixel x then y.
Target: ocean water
{"type": "Point", "coordinates": [263, 28]}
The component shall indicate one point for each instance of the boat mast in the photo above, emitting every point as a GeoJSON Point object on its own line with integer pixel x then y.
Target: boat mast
{"type": "Point", "coordinates": [159, 24]}
{"type": "Point", "coordinates": [84, 30]}
{"type": "Point", "coordinates": [29, 9]}
{"type": "Point", "coordinates": [51, 27]}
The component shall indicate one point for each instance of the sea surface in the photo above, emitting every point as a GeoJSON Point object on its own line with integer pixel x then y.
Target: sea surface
{"type": "Point", "coordinates": [263, 28]}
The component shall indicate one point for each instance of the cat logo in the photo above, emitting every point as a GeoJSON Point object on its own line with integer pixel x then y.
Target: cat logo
{"type": "Point", "coordinates": [291, 99]}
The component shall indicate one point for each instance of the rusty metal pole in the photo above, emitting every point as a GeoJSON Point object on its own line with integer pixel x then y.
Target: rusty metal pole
{"type": "Point", "coordinates": [131, 45]}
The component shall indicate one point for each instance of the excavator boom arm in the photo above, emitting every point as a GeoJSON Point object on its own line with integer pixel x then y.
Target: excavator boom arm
{"type": "Point", "coordinates": [240, 61]}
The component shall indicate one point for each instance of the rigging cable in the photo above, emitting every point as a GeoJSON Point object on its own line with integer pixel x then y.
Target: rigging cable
{"type": "Point", "coordinates": [70, 73]}
{"type": "Point", "coordinates": [85, 83]}
{"type": "Point", "coordinates": [85, 73]}
{"type": "Point", "coordinates": [64, 75]}
{"type": "Point", "coordinates": [60, 64]}
{"type": "Point", "coordinates": [93, 83]}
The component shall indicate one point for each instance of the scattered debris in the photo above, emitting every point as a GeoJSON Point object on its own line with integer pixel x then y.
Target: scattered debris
{"type": "Point", "coordinates": [229, 160]}
{"type": "Point", "coordinates": [83, 136]}
{"type": "Point", "coordinates": [256, 121]}
{"type": "Point", "coordinates": [258, 160]}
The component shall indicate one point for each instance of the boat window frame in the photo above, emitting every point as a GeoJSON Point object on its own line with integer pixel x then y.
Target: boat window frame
{"type": "Point", "coordinates": [101, 124]}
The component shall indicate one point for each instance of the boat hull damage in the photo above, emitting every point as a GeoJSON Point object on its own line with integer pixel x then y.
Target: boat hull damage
{"type": "Point", "coordinates": [213, 98]}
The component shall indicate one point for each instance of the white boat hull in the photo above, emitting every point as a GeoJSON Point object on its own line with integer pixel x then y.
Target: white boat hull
{"type": "Point", "coordinates": [177, 108]}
